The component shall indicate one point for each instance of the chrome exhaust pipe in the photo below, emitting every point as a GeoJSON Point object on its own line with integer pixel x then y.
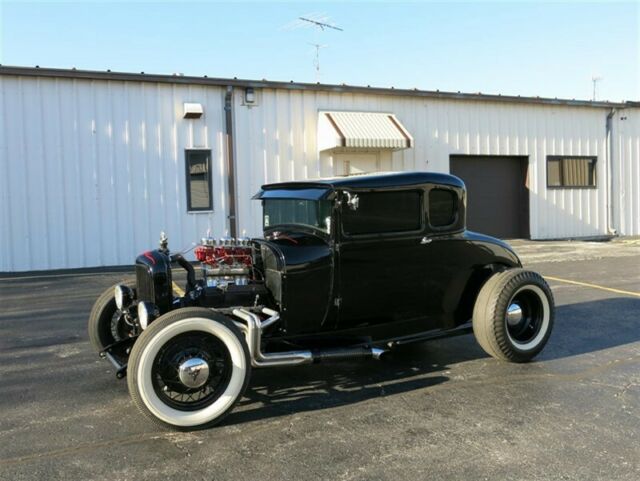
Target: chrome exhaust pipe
{"type": "Point", "coordinates": [343, 353]}
{"type": "Point", "coordinates": [253, 333]}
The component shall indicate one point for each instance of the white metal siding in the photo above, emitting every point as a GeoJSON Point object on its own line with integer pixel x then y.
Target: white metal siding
{"type": "Point", "coordinates": [626, 134]}
{"type": "Point", "coordinates": [276, 141]}
{"type": "Point", "coordinates": [92, 171]}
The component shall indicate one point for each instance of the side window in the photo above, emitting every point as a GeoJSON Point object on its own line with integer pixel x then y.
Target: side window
{"type": "Point", "coordinates": [443, 204]}
{"type": "Point", "coordinates": [383, 212]}
{"type": "Point", "coordinates": [571, 171]}
{"type": "Point", "coordinates": [199, 196]}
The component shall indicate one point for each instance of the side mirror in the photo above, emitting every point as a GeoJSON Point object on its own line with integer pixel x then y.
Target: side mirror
{"type": "Point", "coordinates": [353, 201]}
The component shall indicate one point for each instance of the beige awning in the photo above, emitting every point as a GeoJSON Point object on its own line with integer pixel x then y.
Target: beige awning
{"type": "Point", "coordinates": [361, 130]}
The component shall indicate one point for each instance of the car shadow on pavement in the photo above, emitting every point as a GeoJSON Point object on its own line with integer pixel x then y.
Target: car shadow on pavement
{"type": "Point", "coordinates": [285, 391]}
{"type": "Point", "coordinates": [587, 327]}
{"type": "Point", "coordinates": [580, 328]}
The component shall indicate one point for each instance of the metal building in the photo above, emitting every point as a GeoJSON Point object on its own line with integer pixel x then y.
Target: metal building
{"type": "Point", "coordinates": [93, 165]}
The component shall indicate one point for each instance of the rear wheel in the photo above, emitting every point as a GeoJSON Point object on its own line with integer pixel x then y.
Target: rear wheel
{"type": "Point", "coordinates": [189, 368]}
{"type": "Point", "coordinates": [513, 315]}
{"type": "Point", "coordinates": [107, 324]}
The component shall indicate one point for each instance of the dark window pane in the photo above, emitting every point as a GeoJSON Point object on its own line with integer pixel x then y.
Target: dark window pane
{"type": "Point", "coordinates": [380, 212]}
{"type": "Point", "coordinates": [442, 207]}
{"type": "Point", "coordinates": [198, 180]}
{"type": "Point", "coordinates": [592, 172]}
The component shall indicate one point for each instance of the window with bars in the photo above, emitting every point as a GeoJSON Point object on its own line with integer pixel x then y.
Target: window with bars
{"type": "Point", "coordinates": [565, 171]}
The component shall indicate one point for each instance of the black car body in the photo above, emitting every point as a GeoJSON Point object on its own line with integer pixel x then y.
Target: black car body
{"type": "Point", "coordinates": [347, 267]}
{"type": "Point", "coordinates": [391, 274]}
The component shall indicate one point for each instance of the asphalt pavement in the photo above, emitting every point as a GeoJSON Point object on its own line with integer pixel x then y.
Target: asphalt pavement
{"type": "Point", "coordinates": [437, 410]}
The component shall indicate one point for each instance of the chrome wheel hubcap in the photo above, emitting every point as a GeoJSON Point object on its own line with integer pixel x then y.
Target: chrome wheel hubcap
{"type": "Point", "coordinates": [193, 372]}
{"type": "Point", "coordinates": [514, 314]}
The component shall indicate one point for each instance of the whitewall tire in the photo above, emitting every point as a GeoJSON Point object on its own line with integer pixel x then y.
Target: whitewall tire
{"type": "Point", "coordinates": [189, 368]}
{"type": "Point", "coordinates": [513, 315]}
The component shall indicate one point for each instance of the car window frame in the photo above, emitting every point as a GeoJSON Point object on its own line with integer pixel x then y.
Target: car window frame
{"type": "Point", "coordinates": [306, 227]}
{"type": "Point", "coordinates": [453, 226]}
{"type": "Point", "coordinates": [381, 235]}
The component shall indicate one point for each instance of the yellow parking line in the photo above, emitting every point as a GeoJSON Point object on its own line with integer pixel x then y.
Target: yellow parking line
{"type": "Point", "coordinates": [178, 290]}
{"type": "Point", "coordinates": [594, 286]}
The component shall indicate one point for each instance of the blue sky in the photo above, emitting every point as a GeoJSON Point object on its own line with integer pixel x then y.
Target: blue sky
{"type": "Point", "coordinates": [522, 48]}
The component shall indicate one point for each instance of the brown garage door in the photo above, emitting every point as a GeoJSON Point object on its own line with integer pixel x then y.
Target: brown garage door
{"type": "Point", "coordinates": [497, 196]}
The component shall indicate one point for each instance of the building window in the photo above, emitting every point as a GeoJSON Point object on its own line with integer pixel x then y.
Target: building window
{"type": "Point", "coordinates": [199, 195]}
{"type": "Point", "coordinates": [384, 212]}
{"type": "Point", "coordinates": [442, 207]}
{"type": "Point", "coordinates": [571, 171]}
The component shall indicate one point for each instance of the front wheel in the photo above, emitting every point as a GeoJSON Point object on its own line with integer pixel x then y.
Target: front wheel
{"type": "Point", "coordinates": [189, 368]}
{"type": "Point", "coordinates": [513, 315]}
{"type": "Point", "coordinates": [107, 324]}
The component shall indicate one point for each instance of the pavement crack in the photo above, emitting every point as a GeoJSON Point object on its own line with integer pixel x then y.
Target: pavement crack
{"type": "Point", "coordinates": [626, 387]}
{"type": "Point", "coordinates": [182, 449]}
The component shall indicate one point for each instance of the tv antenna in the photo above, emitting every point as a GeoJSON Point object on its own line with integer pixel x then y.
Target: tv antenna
{"type": "Point", "coordinates": [319, 24]}
{"type": "Point", "coordinates": [595, 79]}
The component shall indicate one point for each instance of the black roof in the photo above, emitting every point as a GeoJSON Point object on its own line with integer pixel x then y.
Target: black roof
{"type": "Point", "coordinates": [320, 188]}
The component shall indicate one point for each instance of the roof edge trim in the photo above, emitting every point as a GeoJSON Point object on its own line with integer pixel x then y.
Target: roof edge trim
{"type": "Point", "coordinates": [222, 82]}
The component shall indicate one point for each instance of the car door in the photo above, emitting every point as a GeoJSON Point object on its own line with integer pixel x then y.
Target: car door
{"type": "Point", "coordinates": [379, 277]}
{"type": "Point", "coordinates": [445, 255]}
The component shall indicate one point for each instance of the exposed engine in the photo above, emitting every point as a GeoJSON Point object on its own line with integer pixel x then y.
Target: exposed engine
{"type": "Point", "coordinates": [228, 268]}
{"type": "Point", "coordinates": [225, 261]}
{"type": "Point", "coordinates": [231, 276]}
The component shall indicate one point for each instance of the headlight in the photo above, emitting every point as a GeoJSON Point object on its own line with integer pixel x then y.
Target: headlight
{"type": "Point", "coordinates": [124, 296]}
{"type": "Point", "coordinates": [147, 312]}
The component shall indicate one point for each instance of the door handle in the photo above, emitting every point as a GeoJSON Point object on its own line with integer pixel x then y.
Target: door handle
{"type": "Point", "coordinates": [426, 240]}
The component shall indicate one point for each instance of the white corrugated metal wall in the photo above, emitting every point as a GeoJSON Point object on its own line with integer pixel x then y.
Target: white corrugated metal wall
{"type": "Point", "coordinates": [276, 141]}
{"type": "Point", "coordinates": [92, 171]}
{"type": "Point", "coordinates": [626, 133]}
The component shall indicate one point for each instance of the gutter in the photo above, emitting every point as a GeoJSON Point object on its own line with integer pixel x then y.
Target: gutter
{"type": "Point", "coordinates": [610, 184]}
{"type": "Point", "coordinates": [291, 85]}
{"type": "Point", "coordinates": [231, 170]}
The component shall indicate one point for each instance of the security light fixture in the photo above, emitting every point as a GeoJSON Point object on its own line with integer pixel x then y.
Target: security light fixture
{"type": "Point", "coordinates": [249, 96]}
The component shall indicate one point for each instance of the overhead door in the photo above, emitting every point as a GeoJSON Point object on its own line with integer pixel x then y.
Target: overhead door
{"type": "Point", "coordinates": [497, 194]}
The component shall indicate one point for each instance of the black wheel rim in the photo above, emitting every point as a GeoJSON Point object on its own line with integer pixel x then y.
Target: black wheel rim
{"type": "Point", "coordinates": [165, 371]}
{"type": "Point", "coordinates": [121, 327]}
{"type": "Point", "coordinates": [524, 317]}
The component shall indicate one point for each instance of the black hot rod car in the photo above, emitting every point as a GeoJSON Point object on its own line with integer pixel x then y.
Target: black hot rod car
{"type": "Point", "coordinates": [348, 267]}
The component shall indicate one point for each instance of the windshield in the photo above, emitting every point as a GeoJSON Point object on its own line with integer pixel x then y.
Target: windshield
{"type": "Point", "coordinates": [308, 213]}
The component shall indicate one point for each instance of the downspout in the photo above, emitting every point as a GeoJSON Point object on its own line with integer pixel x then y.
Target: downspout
{"type": "Point", "coordinates": [610, 187]}
{"type": "Point", "coordinates": [231, 171]}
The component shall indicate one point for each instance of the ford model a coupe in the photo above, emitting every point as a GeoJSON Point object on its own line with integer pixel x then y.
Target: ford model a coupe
{"type": "Point", "coordinates": [348, 267]}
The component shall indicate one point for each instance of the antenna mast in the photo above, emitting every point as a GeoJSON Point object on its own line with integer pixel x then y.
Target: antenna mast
{"type": "Point", "coordinates": [321, 26]}
{"type": "Point", "coordinates": [595, 79]}
{"type": "Point", "coordinates": [316, 61]}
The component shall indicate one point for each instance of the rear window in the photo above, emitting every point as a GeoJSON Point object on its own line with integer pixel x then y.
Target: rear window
{"type": "Point", "coordinates": [384, 212]}
{"type": "Point", "coordinates": [442, 207]}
